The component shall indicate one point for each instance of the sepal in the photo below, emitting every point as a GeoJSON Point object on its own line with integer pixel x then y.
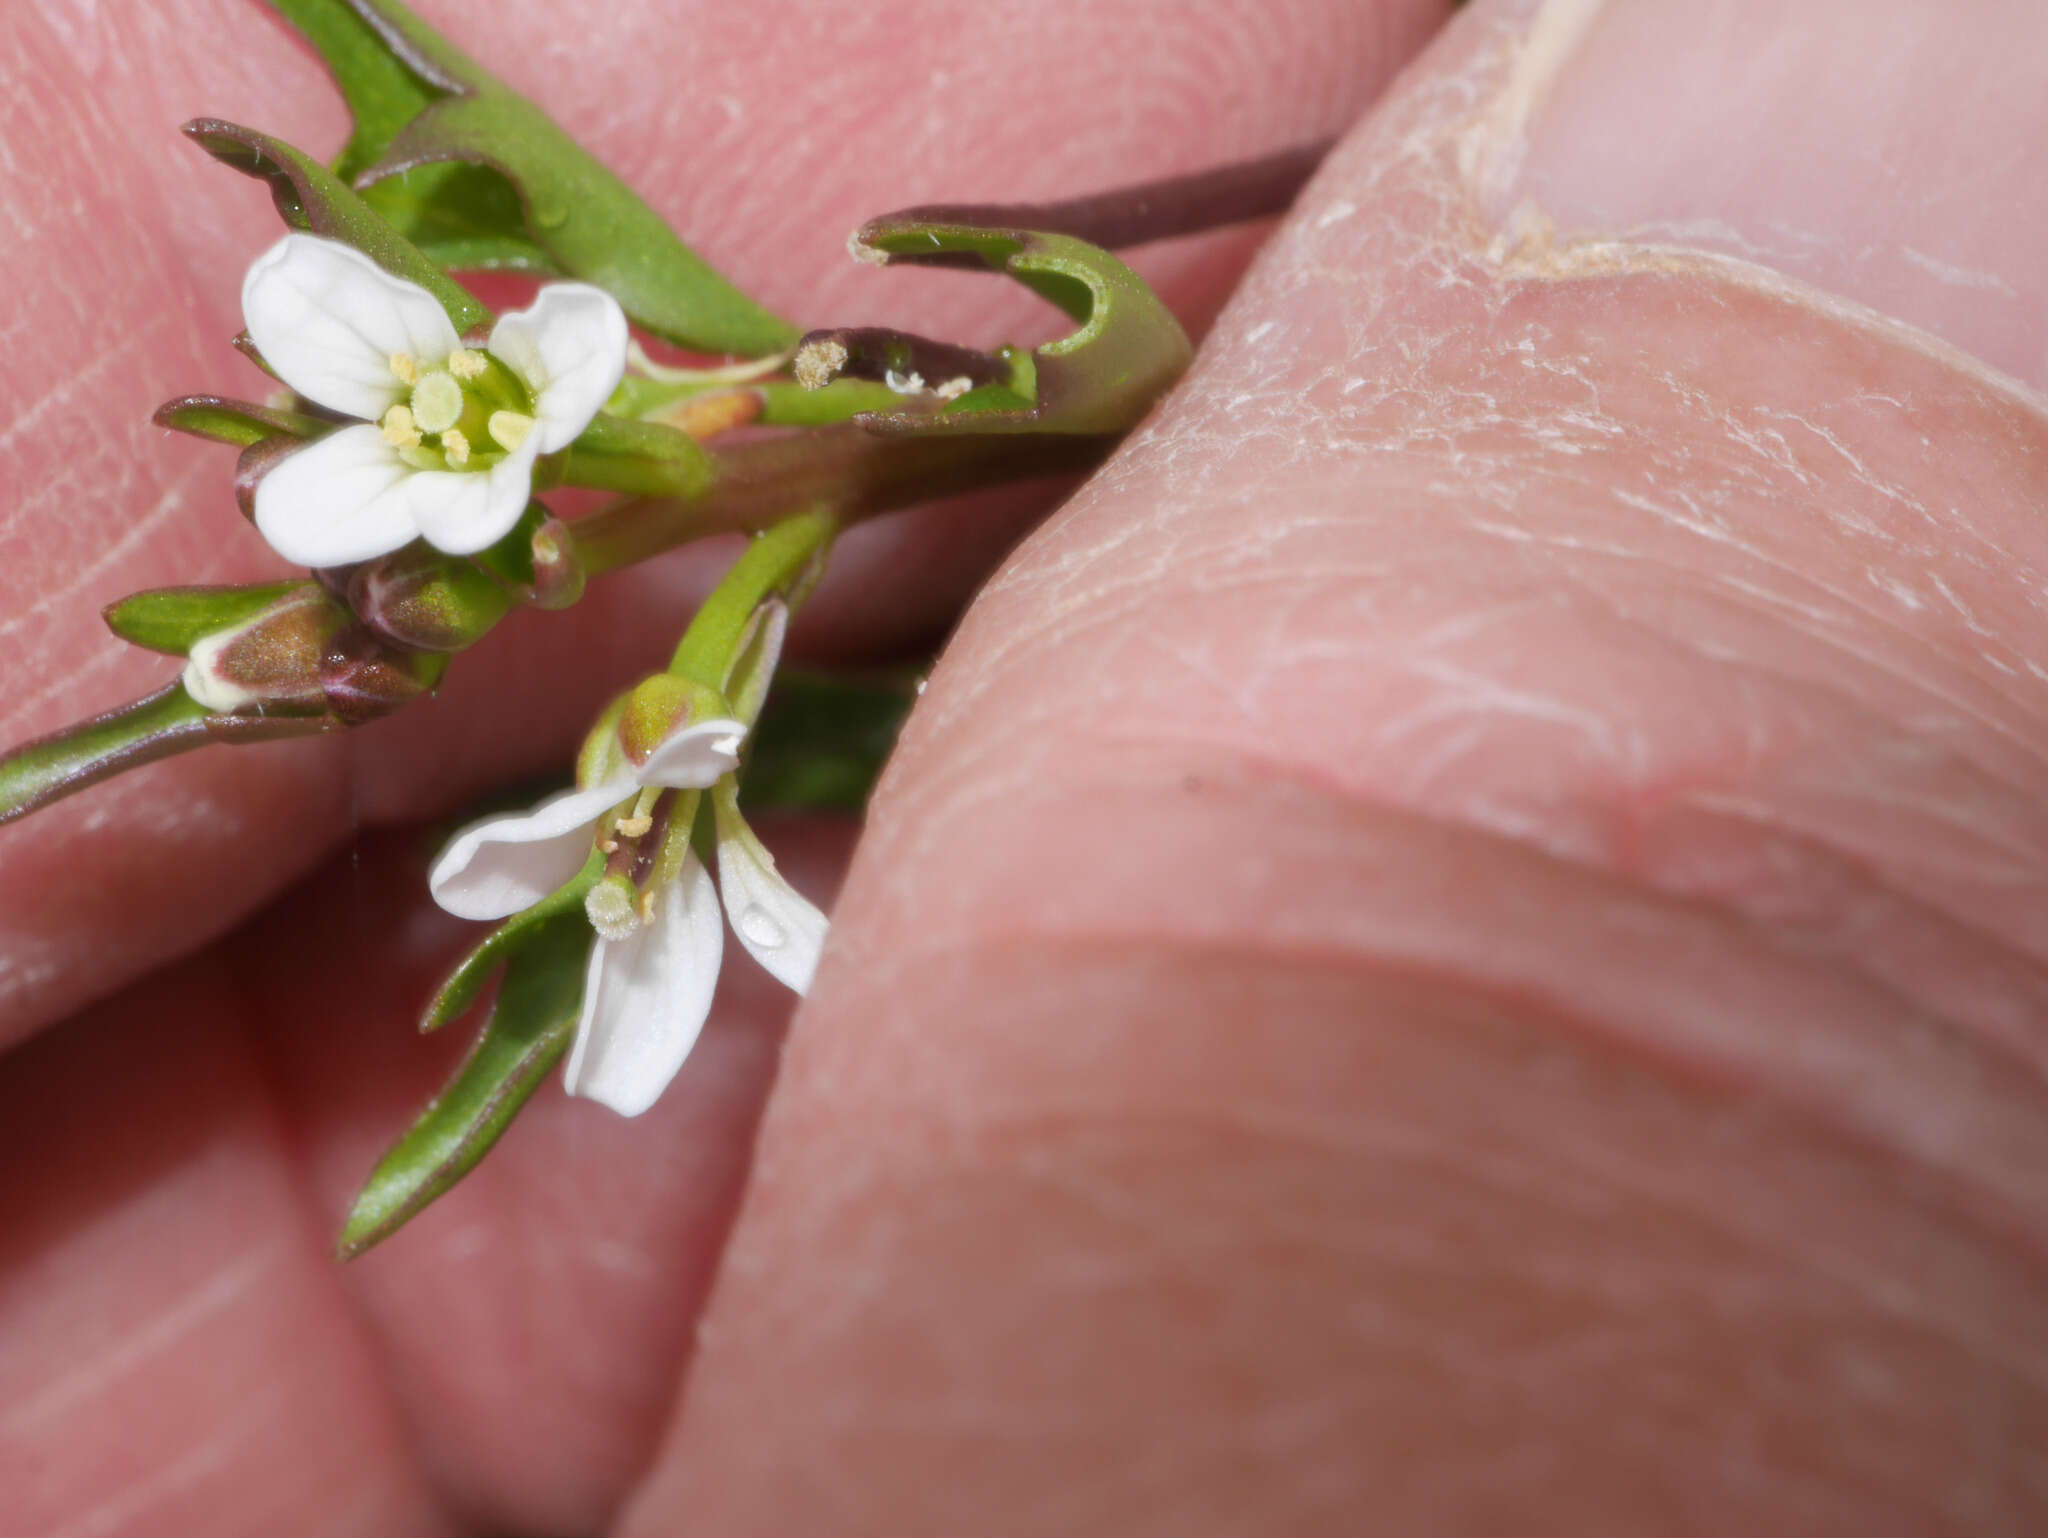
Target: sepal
{"type": "Point", "coordinates": [174, 619]}
{"type": "Point", "coordinates": [221, 420]}
{"type": "Point", "coordinates": [426, 600]}
{"type": "Point", "coordinates": [644, 459]}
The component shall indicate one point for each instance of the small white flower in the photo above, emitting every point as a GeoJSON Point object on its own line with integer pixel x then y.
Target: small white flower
{"type": "Point", "coordinates": [655, 964]}
{"type": "Point", "coordinates": [449, 434]}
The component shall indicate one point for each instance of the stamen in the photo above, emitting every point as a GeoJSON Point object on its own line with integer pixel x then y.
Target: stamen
{"type": "Point", "coordinates": [819, 363]}
{"type": "Point", "coordinates": [436, 402]}
{"type": "Point", "coordinates": [400, 431]}
{"type": "Point", "coordinates": [634, 827]}
{"type": "Point", "coordinates": [613, 908]}
{"type": "Point", "coordinates": [466, 364]}
{"type": "Point", "coordinates": [455, 446]}
{"type": "Point", "coordinates": [408, 372]}
{"type": "Point", "coordinates": [510, 428]}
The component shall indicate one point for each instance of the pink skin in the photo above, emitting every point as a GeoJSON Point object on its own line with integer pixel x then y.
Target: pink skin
{"type": "Point", "coordinates": [1459, 938]}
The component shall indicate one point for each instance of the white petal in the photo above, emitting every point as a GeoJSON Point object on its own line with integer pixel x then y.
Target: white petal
{"type": "Point", "coordinates": [645, 998]}
{"type": "Point", "coordinates": [695, 756]}
{"type": "Point", "coordinates": [570, 349]}
{"type": "Point", "coordinates": [328, 319]}
{"type": "Point", "coordinates": [464, 511]}
{"type": "Point", "coordinates": [494, 868]}
{"type": "Point", "coordinates": [339, 499]}
{"type": "Point", "coordinates": [780, 928]}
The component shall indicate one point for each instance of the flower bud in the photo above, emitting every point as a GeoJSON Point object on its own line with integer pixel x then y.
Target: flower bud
{"type": "Point", "coordinates": [658, 707]}
{"type": "Point", "coordinates": [304, 656]}
{"type": "Point", "coordinates": [363, 676]}
{"type": "Point", "coordinates": [425, 600]}
{"type": "Point", "coordinates": [270, 663]}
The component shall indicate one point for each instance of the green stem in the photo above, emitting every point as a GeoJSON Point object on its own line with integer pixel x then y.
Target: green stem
{"type": "Point", "coordinates": [156, 726]}
{"type": "Point", "coordinates": [846, 471]}
{"type": "Point", "coordinates": [773, 564]}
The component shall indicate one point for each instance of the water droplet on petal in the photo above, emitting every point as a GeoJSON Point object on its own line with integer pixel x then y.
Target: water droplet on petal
{"type": "Point", "coordinates": [761, 928]}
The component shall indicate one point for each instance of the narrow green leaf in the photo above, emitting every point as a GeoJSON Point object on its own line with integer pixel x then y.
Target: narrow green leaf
{"type": "Point", "coordinates": [231, 421]}
{"type": "Point", "coordinates": [529, 1030]}
{"type": "Point", "coordinates": [822, 740]}
{"type": "Point", "coordinates": [383, 92]}
{"type": "Point", "coordinates": [478, 177]}
{"type": "Point", "coordinates": [586, 222]}
{"type": "Point", "coordinates": [156, 726]}
{"type": "Point", "coordinates": [459, 991]}
{"type": "Point", "coordinates": [172, 619]}
{"type": "Point", "coordinates": [311, 197]}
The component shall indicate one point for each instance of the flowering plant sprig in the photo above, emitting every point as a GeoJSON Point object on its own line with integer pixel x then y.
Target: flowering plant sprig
{"type": "Point", "coordinates": [405, 459]}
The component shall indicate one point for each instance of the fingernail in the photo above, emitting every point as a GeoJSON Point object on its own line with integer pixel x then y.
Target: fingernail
{"type": "Point", "coordinates": [1885, 151]}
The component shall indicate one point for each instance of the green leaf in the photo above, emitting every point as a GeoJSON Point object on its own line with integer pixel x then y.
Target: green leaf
{"type": "Point", "coordinates": [382, 90]}
{"type": "Point", "coordinates": [529, 1030]}
{"type": "Point", "coordinates": [464, 217]}
{"type": "Point", "coordinates": [231, 421]}
{"type": "Point", "coordinates": [311, 197]}
{"type": "Point", "coordinates": [587, 223]}
{"type": "Point", "coordinates": [172, 619]}
{"type": "Point", "coordinates": [822, 740]}
{"type": "Point", "coordinates": [1101, 378]}
{"type": "Point", "coordinates": [479, 177]}
{"type": "Point", "coordinates": [503, 943]}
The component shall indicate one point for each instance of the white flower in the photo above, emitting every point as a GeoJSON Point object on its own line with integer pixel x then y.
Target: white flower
{"type": "Point", "coordinates": [449, 434]}
{"type": "Point", "coordinates": [655, 964]}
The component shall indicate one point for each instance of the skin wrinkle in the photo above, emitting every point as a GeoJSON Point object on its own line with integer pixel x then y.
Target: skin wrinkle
{"type": "Point", "coordinates": [1041, 719]}
{"type": "Point", "coordinates": [1773, 452]}
{"type": "Point", "coordinates": [1409, 940]}
{"type": "Point", "coordinates": [120, 1357]}
{"type": "Point", "coordinates": [942, 1410]}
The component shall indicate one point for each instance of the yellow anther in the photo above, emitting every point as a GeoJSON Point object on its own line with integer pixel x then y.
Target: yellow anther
{"type": "Point", "coordinates": [633, 827]}
{"type": "Point", "coordinates": [399, 429]}
{"type": "Point", "coordinates": [510, 428]}
{"type": "Point", "coordinates": [408, 372]}
{"type": "Point", "coordinates": [464, 364]}
{"type": "Point", "coordinates": [436, 402]}
{"type": "Point", "coordinates": [455, 446]}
